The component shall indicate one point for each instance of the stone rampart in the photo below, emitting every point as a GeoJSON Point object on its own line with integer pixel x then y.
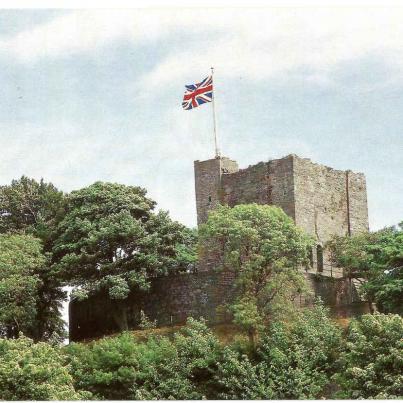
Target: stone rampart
{"type": "Point", "coordinates": [173, 299]}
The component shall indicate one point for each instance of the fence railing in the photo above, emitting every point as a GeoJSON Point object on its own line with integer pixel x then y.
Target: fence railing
{"type": "Point", "coordinates": [328, 270]}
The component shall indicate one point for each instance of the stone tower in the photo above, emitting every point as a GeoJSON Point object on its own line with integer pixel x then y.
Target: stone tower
{"type": "Point", "coordinates": [321, 200]}
{"type": "Point", "coordinates": [208, 177]}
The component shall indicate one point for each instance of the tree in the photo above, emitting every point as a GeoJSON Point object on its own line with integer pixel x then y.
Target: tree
{"type": "Point", "coordinates": [372, 360]}
{"type": "Point", "coordinates": [265, 249]}
{"type": "Point", "coordinates": [377, 259]}
{"type": "Point", "coordinates": [111, 239]}
{"type": "Point", "coordinates": [27, 206]}
{"type": "Point", "coordinates": [34, 371]}
{"type": "Point", "coordinates": [33, 208]}
{"type": "Point", "coordinates": [21, 259]}
{"type": "Point", "coordinates": [22, 269]}
{"type": "Point", "coordinates": [294, 361]}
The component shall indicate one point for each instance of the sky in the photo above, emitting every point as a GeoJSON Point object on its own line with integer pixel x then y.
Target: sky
{"type": "Point", "coordinates": [91, 95]}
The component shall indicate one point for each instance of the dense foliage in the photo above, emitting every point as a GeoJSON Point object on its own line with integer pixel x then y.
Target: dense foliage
{"type": "Point", "coordinates": [372, 360]}
{"type": "Point", "coordinates": [30, 207]}
{"type": "Point", "coordinates": [265, 249]}
{"type": "Point", "coordinates": [294, 361]}
{"type": "Point", "coordinates": [110, 239]}
{"type": "Point", "coordinates": [159, 368]}
{"type": "Point", "coordinates": [377, 259]}
{"type": "Point", "coordinates": [34, 371]}
{"type": "Point", "coordinates": [22, 269]}
{"type": "Point", "coordinates": [306, 358]}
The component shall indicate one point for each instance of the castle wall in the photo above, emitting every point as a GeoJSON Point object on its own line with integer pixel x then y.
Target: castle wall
{"type": "Point", "coordinates": [264, 183]}
{"type": "Point", "coordinates": [328, 202]}
{"type": "Point", "coordinates": [208, 184]}
{"type": "Point", "coordinates": [320, 199]}
{"type": "Point", "coordinates": [358, 207]}
{"type": "Point", "coordinates": [172, 299]}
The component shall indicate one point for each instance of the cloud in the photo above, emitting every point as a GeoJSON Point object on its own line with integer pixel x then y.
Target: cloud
{"type": "Point", "coordinates": [272, 42]}
{"type": "Point", "coordinates": [258, 43]}
{"type": "Point", "coordinates": [86, 30]}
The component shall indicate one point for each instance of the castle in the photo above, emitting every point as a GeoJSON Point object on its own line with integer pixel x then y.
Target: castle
{"type": "Point", "coordinates": [321, 200]}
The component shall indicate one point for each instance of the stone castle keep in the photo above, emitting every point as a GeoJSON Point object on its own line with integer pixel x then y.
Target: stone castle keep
{"type": "Point", "coordinates": [321, 200]}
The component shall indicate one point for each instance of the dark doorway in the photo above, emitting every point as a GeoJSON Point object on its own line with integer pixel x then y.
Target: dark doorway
{"type": "Point", "coordinates": [319, 258]}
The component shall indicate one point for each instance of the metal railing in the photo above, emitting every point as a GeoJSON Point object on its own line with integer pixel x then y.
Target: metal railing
{"type": "Point", "coordinates": [328, 270]}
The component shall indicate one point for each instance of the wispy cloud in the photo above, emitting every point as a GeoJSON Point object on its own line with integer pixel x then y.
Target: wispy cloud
{"type": "Point", "coordinates": [258, 43]}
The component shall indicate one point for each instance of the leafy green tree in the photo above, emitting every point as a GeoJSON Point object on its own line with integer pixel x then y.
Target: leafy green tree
{"type": "Point", "coordinates": [265, 249]}
{"type": "Point", "coordinates": [372, 361]}
{"type": "Point", "coordinates": [377, 259]}
{"type": "Point", "coordinates": [294, 361]}
{"type": "Point", "coordinates": [111, 239]}
{"type": "Point", "coordinates": [21, 260]}
{"type": "Point", "coordinates": [33, 208]}
{"type": "Point", "coordinates": [34, 371]}
{"type": "Point", "coordinates": [30, 207]}
{"type": "Point", "coordinates": [123, 367]}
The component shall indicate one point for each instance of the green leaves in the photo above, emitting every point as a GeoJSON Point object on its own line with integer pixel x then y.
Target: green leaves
{"type": "Point", "coordinates": [264, 247]}
{"type": "Point", "coordinates": [372, 360]}
{"type": "Point", "coordinates": [293, 361]}
{"type": "Point", "coordinates": [21, 262]}
{"type": "Point", "coordinates": [30, 208]}
{"type": "Point", "coordinates": [27, 206]}
{"type": "Point", "coordinates": [110, 238]}
{"type": "Point", "coordinates": [30, 371]}
{"type": "Point", "coordinates": [159, 368]}
{"type": "Point", "coordinates": [378, 259]}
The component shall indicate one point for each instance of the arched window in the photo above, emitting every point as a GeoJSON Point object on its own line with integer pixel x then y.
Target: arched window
{"type": "Point", "coordinates": [319, 258]}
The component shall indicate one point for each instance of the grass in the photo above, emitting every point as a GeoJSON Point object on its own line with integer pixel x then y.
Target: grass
{"type": "Point", "coordinates": [226, 333]}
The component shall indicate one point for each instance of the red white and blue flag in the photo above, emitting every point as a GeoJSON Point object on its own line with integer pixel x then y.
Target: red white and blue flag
{"type": "Point", "coordinates": [198, 94]}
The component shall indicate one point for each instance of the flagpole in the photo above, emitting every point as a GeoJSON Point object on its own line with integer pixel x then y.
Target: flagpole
{"type": "Point", "coordinates": [217, 150]}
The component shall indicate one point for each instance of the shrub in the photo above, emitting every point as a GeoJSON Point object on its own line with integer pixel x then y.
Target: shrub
{"type": "Point", "coordinates": [372, 360]}
{"type": "Point", "coordinates": [294, 361]}
{"type": "Point", "coordinates": [34, 371]}
{"type": "Point", "coordinates": [159, 368]}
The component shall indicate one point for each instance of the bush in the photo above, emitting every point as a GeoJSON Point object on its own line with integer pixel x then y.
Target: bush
{"type": "Point", "coordinates": [159, 368]}
{"type": "Point", "coordinates": [372, 361]}
{"type": "Point", "coordinates": [34, 371]}
{"type": "Point", "coordinates": [294, 361]}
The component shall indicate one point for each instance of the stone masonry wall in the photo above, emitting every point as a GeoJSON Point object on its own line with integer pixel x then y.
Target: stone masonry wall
{"type": "Point", "coordinates": [328, 202]}
{"type": "Point", "coordinates": [208, 184]}
{"type": "Point", "coordinates": [358, 207]}
{"type": "Point", "coordinates": [323, 201]}
{"type": "Point", "coordinates": [172, 299]}
{"type": "Point", "coordinates": [264, 183]}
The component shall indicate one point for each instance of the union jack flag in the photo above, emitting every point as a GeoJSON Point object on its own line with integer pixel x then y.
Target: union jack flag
{"type": "Point", "coordinates": [197, 94]}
